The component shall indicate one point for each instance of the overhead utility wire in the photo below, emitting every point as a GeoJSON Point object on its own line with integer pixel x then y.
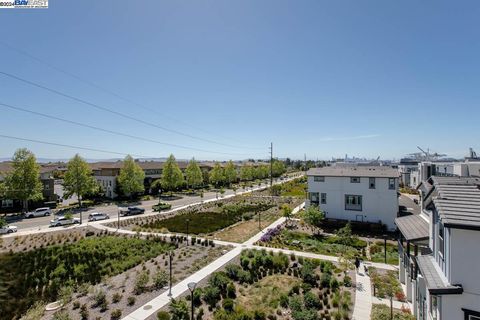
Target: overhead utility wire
{"type": "Point", "coordinates": [72, 147]}
{"type": "Point", "coordinates": [109, 131]}
{"type": "Point", "coordinates": [94, 105]}
{"type": "Point", "coordinates": [98, 87]}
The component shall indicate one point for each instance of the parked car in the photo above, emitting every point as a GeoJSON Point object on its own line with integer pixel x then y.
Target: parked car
{"type": "Point", "coordinates": [96, 216]}
{"type": "Point", "coordinates": [40, 212]}
{"type": "Point", "coordinates": [62, 221]}
{"type": "Point", "coordinates": [8, 229]}
{"type": "Point", "coordinates": [130, 211]}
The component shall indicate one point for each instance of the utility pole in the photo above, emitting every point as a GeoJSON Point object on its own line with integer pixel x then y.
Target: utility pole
{"type": "Point", "coordinates": [271, 164]}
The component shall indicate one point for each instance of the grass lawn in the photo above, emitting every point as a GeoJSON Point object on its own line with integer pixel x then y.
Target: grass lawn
{"type": "Point", "coordinates": [265, 294]}
{"type": "Point", "coordinates": [327, 245]}
{"type": "Point", "coordinates": [209, 221]}
{"type": "Point", "coordinates": [377, 251]}
{"type": "Point", "coordinates": [294, 188]}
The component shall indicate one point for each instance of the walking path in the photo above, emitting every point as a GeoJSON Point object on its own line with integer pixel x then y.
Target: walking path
{"type": "Point", "coordinates": [363, 295]}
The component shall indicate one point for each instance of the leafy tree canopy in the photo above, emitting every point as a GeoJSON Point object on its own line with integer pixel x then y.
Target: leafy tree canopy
{"type": "Point", "coordinates": [193, 174]}
{"type": "Point", "coordinates": [78, 178]}
{"type": "Point", "coordinates": [172, 176]}
{"type": "Point", "coordinates": [131, 177]}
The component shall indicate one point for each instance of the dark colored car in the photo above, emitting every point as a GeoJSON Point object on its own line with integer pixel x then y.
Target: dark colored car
{"type": "Point", "coordinates": [131, 211]}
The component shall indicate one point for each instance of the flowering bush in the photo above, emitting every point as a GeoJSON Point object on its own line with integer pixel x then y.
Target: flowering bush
{"type": "Point", "coordinates": [272, 232]}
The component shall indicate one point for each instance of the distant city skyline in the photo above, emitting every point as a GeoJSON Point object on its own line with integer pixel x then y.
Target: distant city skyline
{"type": "Point", "coordinates": [221, 80]}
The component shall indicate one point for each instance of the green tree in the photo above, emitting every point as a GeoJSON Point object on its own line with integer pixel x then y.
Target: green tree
{"type": "Point", "coordinates": [23, 183]}
{"type": "Point", "coordinates": [78, 179]}
{"type": "Point", "coordinates": [172, 176]}
{"type": "Point", "coordinates": [278, 168]}
{"type": "Point", "coordinates": [287, 212]}
{"type": "Point", "coordinates": [3, 222]}
{"type": "Point", "coordinates": [217, 176]}
{"type": "Point", "coordinates": [230, 173]}
{"type": "Point", "coordinates": [194, 174]}
{"type": "Point", "coordinates": [246, 173]}
{"type": "Point", "coordinates": [313, 216]}
{"type": "Point", "coordinates": [131, 177]}
{"type": "Point", "coordinates": [345, 236]}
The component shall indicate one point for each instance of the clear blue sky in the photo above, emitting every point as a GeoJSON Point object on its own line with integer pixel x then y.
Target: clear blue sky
{"type": "Point", "coordinates": [326, 78]}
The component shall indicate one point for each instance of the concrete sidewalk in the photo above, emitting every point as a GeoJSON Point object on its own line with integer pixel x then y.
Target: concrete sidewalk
{"type": "Point", "coordinates": [363, 296]}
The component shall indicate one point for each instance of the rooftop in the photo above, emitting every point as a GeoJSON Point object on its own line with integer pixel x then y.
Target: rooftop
{"type": "Point", "coordinates": [355, 171]}
{"type": "Point", "coordinates": [435, 281]}
{"type": "Point", "coordinates": [456, 199]}
{"type": "Point", "coordinates": [413, 227]}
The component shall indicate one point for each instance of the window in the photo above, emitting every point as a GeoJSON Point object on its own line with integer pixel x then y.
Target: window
{"type": "Point", "coordinates": [354, 179]}
{"type": "Point", "coordinates": [371, 183]}
{"type": "Point", "coordinates": [323, 198]}
{"type": "Point", "coordinates": [471, 315]}
{"type": "Point", "coordinates": [319, 178]}
{"type": "Point", "coordinates": [7, 203]}
{"type": "Point", "coordinates": [441, 237]}
{"type": "Point", "coordinates": [391, 183]}
{"type": "Point", "coordinates": [353, 202]}
{"type": "Point", "coordinates": [314, 197]}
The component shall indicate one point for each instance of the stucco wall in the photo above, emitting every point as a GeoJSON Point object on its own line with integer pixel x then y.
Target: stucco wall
{"type": "Point", "coordinates": [379, 204]}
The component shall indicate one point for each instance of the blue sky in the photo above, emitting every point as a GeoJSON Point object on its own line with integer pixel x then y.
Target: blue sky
{"type": "Point", "coordinates": [325, 78]}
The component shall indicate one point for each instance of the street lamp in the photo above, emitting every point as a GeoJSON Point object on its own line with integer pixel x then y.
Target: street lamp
{"type": "Point", "coordinates": [191, 286]}
{"type": "Point", "coordinates": [170, 265]}
{"type": "Point", "coordinates": [188, 221]}
{"type": "Point", "coordinates": [259, 221]}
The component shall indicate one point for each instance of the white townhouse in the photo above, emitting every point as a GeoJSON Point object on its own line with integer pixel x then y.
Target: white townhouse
{"type": "Point", "coordinates": [439, 250]}
{"type": "Point", "coordinates": [355, 193]}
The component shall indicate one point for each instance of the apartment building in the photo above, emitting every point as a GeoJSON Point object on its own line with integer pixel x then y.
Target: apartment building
{"type": "Point", "coordinates": [355, 193]}
{"type": "Point", "coordinates": [439, 252]}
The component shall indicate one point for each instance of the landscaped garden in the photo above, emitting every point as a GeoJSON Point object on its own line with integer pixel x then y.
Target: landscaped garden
{"type": "Point", "coordinates": [234, 219]}
{"type": "Point", "coordinates": [382, 312]}
{"type": "Point", "coordinates": [377, 252]}
{"type": "Point", "coordinates": [100, 274]}
{"type": "Point", "coordinates": [266, 285]}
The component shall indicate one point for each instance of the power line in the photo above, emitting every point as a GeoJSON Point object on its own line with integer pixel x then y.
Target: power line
{"type": "Point", "coordinates": [97, 106]}
{"type": "Point", "coordinates": [110, 131]}
{"type": "Point", "coordinates": [98, 87]}
{"type": "Point", "coordinates": [72, 147]}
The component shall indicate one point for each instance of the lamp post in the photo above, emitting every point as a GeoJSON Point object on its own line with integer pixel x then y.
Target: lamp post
{"type": "Point", "coordinates": [170, 282]}
{"type": "Point", "coordinates": [259, 221]}
{"type": "Point", "coordinates": [188, 221]}
{"type": "Point", "coordinates": [191, 286]}
{"type": "Point", "coordinates": [385, 246]}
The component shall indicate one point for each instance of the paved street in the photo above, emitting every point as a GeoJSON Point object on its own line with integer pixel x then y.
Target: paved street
{"type": "Point", "coordinates": [406, 200]}
{"type": "Point", "coordinates": [41, 224]}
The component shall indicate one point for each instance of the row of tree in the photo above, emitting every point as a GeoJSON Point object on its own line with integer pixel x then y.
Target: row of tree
{"type": "Point", "coordinates": [23, 182]}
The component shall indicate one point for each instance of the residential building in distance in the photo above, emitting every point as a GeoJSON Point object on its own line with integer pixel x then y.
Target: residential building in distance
{"type": "Point", "coordinates": [439, 252]}
{"type": "Point", "coordinates": [355, 193]}
{"type": "Point", "coordinates": [48, 190]}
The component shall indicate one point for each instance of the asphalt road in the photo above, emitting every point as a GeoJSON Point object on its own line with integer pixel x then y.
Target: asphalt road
{"type": "Point", "coordinates": [33, 224]}
{"type": "Point", "coordinates": [409, 204]}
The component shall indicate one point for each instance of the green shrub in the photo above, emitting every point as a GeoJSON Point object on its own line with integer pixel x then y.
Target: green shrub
{"type": "Point", "coordinates": [116, 314]}
{"type": "Point", "coordinates": [179, 309]}
{"type": "Point", "coordinates": [228, 304]}
{"type": "Point", "coordinates": [116, 297]}
{"type": "Point", "coordinates": [141, 282]}
{"type": "Point", "coordinates": [61, 315]}
{"type": "Point", "coordinates": [311, 300]}
{"type": "Point", "coordinates": [160, 279]}
{"type": "Point", "coordinates": [99, 298]}
{"type": "Point", "coordinates": [163, 315]}
{"type": "Point", "coordinates": [211, 295]}
{"type": "Point", "coordinates": [131, 301]}
{"type": "Point", "coordinates": [84, 312]}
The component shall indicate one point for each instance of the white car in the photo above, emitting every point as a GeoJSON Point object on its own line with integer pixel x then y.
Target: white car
{"type": "Point", "coordinates": [62, 221]}
{"type": "Point", "coordinates": [95, 216]}
{"type": "Point", "coordinates": [8, 229]}
{"type": "Point", "coordinates": [40, 212]}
